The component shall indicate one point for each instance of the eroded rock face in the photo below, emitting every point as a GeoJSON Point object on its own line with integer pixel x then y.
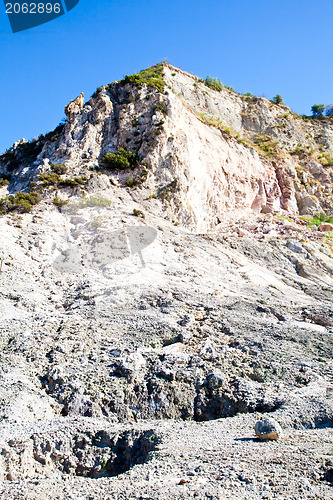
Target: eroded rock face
{"type": "Point", "coordinates": [214, 330]}
{"type": "Point", "coordinates": [74, 106]}
{"type": "Point", "coordinates": [75, 447]}
{"type": "Point", "coordinates": [200, 171]}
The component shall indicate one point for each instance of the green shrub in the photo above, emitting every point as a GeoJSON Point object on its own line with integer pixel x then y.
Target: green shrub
{"type": "Point", "coordinates": [58, 202]}
{"type": "Point", "coordinates": [130, 183]}
{"type": "Point", "coordinates": [50, 179]}
{"type": "Point", "coordinates": [228, 87]}
{"type": "Point", "coordinates": [3, 182]}
{"type": "Point", "coordinates": [152, 77]}
{"type": "Point", "coordinates": [98, 90]}
{"type": "Point", "coordinates": [277, 99]}
{"type": "Point", "coordinates": [120, 160]}
{"type": "Point", "coordinates": [325, 159]}
{"type": "Point", "coordinates": [59, 169]}
{"type": "Point", "coordinates": [91, 202]}
{"type": "Point", "coordinates": [266, 146]}
{"type": "Point", "coordinates": [214, 83]}
{"type": "Point", "coordinates": [318, 218]}
{"type": "Point", "coordinates": [19, 202]}
{"type": "Point", "coordinates": [329, 110]}
{"type": "Point", "coordinates": [248, 97]}
{"type": "Point", "coordinates": [161, 107]}
{"type": "Point", "coordinates": [318, 109]}
{"type": "Point", "coordinates": [138, 213]}
{"type": "Point", "coordinates": [77, 181]}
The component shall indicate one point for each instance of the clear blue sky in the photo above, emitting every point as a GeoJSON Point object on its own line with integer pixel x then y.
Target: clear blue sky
{"type": "Point", "coordinates": [262, 47]}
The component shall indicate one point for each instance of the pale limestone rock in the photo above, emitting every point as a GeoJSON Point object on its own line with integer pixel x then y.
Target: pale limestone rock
{"type": "Point", "coordinates": [74, 106]}
{"type": "Point", "coordinates": [325, 226]}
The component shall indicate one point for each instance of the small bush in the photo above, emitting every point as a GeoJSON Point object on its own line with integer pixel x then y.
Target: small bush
{"type": "Point", "coordinates": [248, 97]}
{"type": "Point", "coordinates": [277, 99]}
{"type": "Point", "coordinates": [94, 201]}
{"type": "Point", "coordinates": [318, 109]}
{"type": "Point", "coordinates": [50, 179]}
{"type": "Point", "coordinates": [3, 182]}
{"type": "Point", "coordinates": [329, 110]}
{"type": "Point", "coordinates": [152, 77]}
{"type": "Point", "coordinates": [19, 202]}
{"type": "Point", "coordinates": [138, 213]}
{"type": "Point", "coordinates": [214, 83]}
{"type": "Point", "coordinates": [58, 202]}
{"type": "Point", "coordinates": [120, 160]}
{"type": "Point", "coordinates": [319, 218]}
{"type": "Point", "coordinates": [161, 107]}
{"type": "Point", "coordinates": [228, 87]}
{"type": "Point", "coordinates": [266, 146]}
{"type": "Point", "coordinates": [98, 91]}
{"type": "Point", "coordinates": [326, 160]}
{"type": "Point", "coordinates": [77, 181]}
{"type": "Point", "coordinates": [59, 169]}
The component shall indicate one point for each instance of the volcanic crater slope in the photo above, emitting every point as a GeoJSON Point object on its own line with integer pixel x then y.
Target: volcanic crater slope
{"type": "Point", "coordinates": [166, 281]}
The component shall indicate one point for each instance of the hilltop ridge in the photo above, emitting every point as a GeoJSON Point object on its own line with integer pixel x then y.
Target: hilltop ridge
{"type": "Point", "coordinates": [221, 153]}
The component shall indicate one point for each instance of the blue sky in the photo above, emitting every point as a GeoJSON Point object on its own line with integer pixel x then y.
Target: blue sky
{"type": "Point", "coordinates": [262, 47]}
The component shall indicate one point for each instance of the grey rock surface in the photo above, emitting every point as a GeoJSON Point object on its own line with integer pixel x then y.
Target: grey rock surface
{"type": "Point", "coordinates": [138, 353]}
{"type": "Point", "coordinates": [268, 429]}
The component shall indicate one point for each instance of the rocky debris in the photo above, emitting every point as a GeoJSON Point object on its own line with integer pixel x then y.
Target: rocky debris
{"type": "Point", "coordinates": [75, 447]}
{"type": "Point", "coordinates": [268, 430]}
{"type": "Point", "coordinates": [216, 459]}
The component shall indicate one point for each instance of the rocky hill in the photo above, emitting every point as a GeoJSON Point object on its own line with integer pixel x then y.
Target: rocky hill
{"type": "Point", "coordinates": [166, 281]}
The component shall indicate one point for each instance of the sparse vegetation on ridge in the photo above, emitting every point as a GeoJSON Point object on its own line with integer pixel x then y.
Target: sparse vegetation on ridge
{"type": "Point", "coordinates": [319, 110]}
{"type": "Point", "coordinates": [214, 83]}
{"type": "Point", "coordinates": [325, 159]}
{"type": "Point", "coordinates": [152, 77]}
{"type": "Point", "coordinates": [263, 144]}
{"type": "Point", "coordinates": [277, 99]}
{"type": "Point", "coordinates": [28, 151]}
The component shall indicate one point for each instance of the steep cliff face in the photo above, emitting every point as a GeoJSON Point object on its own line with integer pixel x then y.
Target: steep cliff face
{"type": "Point", "coordinates": [114, 315]}
{"type": "Point", "coordinates": [206, 155]}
